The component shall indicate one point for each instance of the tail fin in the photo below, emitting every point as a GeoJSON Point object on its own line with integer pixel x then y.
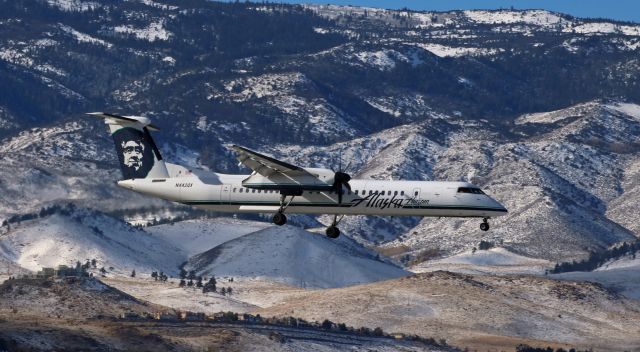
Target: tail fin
{"type": "Point", "coordinates": [138, 154]}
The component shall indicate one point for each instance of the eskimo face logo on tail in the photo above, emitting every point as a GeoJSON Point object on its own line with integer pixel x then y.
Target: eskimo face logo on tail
{"type": "Point", "coordinates": [134, 152]}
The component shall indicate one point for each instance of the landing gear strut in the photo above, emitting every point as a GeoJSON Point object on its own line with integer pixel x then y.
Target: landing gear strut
{"type": "Point", "coordinates": [485, 225]}
{"type": "Point", "coordinates": [332, 230]}
{"type": "Point", "coordinates": [279, 218]}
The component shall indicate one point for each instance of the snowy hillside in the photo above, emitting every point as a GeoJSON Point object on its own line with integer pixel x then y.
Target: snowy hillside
{"type": "Point", "coordinates": [195, 236]}
{"type": "Point", "coordinates": [294, 256]}
{"type": "Point", "coordinates": [494, 261]}
{"type": "Point", "coordinates": [556, 183]}
{"type": "Point", "coordinates": [63, 239]}
{"type": "Point", "coordinates": [619, 275]}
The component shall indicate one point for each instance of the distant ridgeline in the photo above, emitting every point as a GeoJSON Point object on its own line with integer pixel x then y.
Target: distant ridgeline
{"type": "Point", "coordinates": [596, 260]}
{"type": "Point", "coordinates": [273, 65]}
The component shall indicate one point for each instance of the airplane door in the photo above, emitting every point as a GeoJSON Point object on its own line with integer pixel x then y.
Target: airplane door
{"type": "Point", "coordinates": [416, 194]}
{"type": "Point", "coordinates": [225, 193]}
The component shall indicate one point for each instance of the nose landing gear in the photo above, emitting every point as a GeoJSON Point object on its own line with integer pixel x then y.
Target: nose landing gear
{"type": "Point", "coordinates": [484, 226]}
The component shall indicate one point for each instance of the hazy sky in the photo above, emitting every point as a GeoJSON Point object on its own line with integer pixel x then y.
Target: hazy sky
{"type": "Point", "coordinates": [624, 10]}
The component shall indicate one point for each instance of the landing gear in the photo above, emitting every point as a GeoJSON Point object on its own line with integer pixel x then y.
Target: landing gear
{"type": "Point", "coordinates": [279, 219]}
{"type": "Point", "coordinates": [485, 225]}
{"type": "Point", "coordinates": [332, 230]}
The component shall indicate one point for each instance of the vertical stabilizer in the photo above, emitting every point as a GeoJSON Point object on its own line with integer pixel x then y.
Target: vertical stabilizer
{"type": "Point", "coordinates": [137, 152]}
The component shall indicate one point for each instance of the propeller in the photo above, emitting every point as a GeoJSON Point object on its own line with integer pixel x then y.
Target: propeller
{"type": "Point", "coordinates": [341, 178]}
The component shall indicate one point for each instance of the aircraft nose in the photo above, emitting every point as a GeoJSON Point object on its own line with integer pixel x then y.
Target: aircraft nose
{"type": "Point", "coordinates": [499, 207]}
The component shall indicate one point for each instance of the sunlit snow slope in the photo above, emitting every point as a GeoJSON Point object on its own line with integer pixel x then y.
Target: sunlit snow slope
{"type": "Point", "coordinates": [292, 255]}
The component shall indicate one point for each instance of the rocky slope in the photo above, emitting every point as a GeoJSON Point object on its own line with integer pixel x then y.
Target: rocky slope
{"type": "Point", "coordinates": [513, 309]}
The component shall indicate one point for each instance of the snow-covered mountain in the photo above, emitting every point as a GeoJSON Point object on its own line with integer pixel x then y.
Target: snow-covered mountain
{"type": "Point", "coordinates": [294, 256]}
{"type": "Point", "coordinates": [83, 235]}
{"type": "Point", "coordinates": [536, 107]}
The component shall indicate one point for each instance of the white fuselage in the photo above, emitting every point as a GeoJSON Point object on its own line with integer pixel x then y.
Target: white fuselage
{"type": "Point", "coordinates": [225, 193]}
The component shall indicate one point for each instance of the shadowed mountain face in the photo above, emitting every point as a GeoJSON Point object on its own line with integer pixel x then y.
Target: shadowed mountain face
{"type": "Point", "coordinates": [535, 107]}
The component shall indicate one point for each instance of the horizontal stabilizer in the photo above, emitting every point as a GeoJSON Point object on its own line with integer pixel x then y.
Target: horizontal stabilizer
{"type": "Point", "coordinates": [144, 121]}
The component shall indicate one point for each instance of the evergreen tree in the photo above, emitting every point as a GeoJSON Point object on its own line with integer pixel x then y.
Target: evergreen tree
{"type": "Point", "coordinates": [133, 273]}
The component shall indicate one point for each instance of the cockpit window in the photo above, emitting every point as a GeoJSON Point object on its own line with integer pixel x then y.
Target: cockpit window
{"type": "Point", "coordinates": [470, 190]}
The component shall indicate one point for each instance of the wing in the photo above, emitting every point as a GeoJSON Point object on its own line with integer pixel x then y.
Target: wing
{"type": "Point", "coordinates": [265, 165]}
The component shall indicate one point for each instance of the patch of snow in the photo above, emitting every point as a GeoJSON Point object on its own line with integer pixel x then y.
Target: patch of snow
{"type": "Point", "coordinates": [74, 5]}
{"type": "Point", "coordinates": [549, 117]}
{"type": "Point", "coordinates": [629, 109]}
{"type": "Point", "coordinates": [320, 30]}
{"type": "Point", "coordinates": [15, 57]}
{"type": "Point", "coordinates": [158, 5]}
{"type": "Point", "coordinates": [168, 59]}
{"type": "Point", "coordinates": [381, 59]}
{"type": "Point", "coordinates": [449, 51]}
{"type": "Point", "coordinates": [84, 38]}
{"type": "Point", "coordinates": [534, 17]}
{"type": "Point", "coordinates": [604, 28]}
{"type": "Point", "coordinates": [154, 31]}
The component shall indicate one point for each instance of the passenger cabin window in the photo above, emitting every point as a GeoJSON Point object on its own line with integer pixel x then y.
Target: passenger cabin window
{"type": "Point", "coordinates": [402, 193]}
{"type": "Point", "coordinates": [470, 190]}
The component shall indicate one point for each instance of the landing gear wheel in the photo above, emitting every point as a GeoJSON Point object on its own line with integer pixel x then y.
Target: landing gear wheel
{"type": "Point", "coordinates": [484, 226]}
{"type": "Point", "coordinates": [279, 219]}
{"type": "Point", "coordinates": [333, 232]}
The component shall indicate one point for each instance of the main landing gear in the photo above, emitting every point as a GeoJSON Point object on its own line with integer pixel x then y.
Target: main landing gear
{"type": "Point", "coordinates": [332, 230]}
{"type": "Point", "coordinates": [485, 225]}
{"type": "Point", "coordinates": [279, 218]}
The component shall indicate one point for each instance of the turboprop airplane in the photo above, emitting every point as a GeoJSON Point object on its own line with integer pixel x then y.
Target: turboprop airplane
{"type": "Point", "coordinates": [279, 187]}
